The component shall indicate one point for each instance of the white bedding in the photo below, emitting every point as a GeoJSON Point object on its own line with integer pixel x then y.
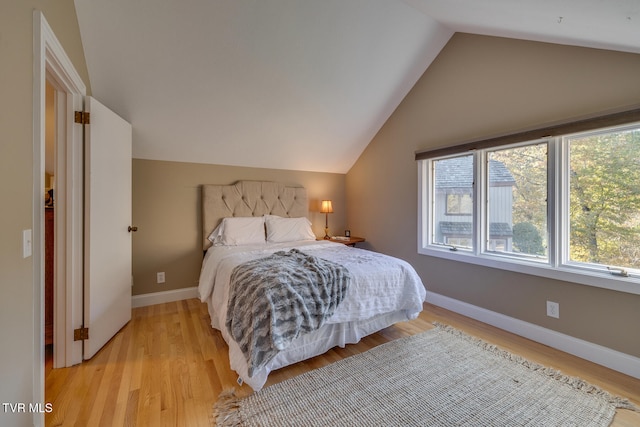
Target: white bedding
{"type": "Point", "coordinates": [383, 290]}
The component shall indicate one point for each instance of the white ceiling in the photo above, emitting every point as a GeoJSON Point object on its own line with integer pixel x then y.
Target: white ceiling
{"type": "Point", "coordinates": [297, 84]}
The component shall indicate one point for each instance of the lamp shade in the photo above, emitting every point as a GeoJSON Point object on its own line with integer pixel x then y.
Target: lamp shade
{"type": "Point", "coordinates": [326, 207]}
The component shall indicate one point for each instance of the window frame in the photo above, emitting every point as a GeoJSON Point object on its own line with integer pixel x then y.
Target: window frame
{"type": "Point", "coordinates": [557, 266]}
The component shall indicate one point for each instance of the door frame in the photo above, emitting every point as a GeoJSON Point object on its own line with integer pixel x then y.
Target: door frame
{"type": "Point", "coordinates": [50, 62]}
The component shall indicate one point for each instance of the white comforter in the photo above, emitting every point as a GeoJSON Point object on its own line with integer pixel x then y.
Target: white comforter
{"type": "Point", "coordinates": [383, 290]}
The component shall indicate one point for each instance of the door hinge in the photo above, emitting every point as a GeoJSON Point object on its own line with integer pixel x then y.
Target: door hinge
{"type": "Point", "coordinates": [81, 334]}
{"type": "Point", "coordinates": [82, 117]}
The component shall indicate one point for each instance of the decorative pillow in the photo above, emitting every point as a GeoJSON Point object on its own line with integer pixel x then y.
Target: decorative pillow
{"type": "Point", "coordinates": [239, 231]}
{"type": "Point", "coordinates": [280, 230]}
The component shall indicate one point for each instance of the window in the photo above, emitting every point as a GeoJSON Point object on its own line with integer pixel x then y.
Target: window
{"type": "Point", "coordinates": [459, 203]}
{"type": "Point", "coordinates": [517, 200]}
{"type": "Point", "coordinates": [566, 206]}
{"type": "Point", "coordinates": [453, 203]}
{"type": "Point", "coordinates": [604, 198]}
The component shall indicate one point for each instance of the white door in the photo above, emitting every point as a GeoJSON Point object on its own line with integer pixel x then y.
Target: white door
{"type": "Point", "coordinates": [107, 284]}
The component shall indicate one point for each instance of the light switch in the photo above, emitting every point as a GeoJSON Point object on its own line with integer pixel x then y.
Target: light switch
{"type": "Point", "coordinates": [26, 243]}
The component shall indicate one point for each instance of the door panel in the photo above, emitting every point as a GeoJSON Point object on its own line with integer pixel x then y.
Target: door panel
{"type": "Point", "coordinates": [107, 287]}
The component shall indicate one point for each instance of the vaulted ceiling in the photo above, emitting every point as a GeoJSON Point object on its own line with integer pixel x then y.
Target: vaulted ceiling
{"type": "Point", "coordinates": [297, 84]}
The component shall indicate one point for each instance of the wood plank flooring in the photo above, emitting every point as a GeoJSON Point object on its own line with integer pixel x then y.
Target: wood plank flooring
{"type": "Point", "coordinates": [167, 367]}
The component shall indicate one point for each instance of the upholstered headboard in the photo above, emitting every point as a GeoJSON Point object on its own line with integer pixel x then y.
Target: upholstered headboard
{"type": "Point", "coordinates": [250, 198]}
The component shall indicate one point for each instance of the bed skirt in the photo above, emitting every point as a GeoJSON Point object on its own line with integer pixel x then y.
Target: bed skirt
{"type": "Point", "coordinates": [309, 345]}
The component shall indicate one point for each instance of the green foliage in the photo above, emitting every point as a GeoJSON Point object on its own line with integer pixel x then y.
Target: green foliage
{"type": "Point", "coordinates": [527, 239]}
{"type": "Point", "coordinates": [605, 199]}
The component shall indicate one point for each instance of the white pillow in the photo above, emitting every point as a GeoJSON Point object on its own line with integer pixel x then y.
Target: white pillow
{"type": "Point", "coordinates": [239, 231]}
{"type": "Point", "coordinates": [280, 230]}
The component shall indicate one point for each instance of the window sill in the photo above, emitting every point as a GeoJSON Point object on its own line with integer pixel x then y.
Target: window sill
{"type": "Point", "coordinates": [597, 279]}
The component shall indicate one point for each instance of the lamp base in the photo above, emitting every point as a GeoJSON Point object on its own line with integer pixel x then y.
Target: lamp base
{"type": "Point", "coordinates": [326, 234]}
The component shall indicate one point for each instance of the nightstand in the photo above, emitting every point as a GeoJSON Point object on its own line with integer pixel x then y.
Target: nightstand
{"type": "Point", "coordinates": [351, 241]}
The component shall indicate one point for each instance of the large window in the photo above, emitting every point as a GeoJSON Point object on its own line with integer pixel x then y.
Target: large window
{"type": "Point", "coordinates": [565, 207]}
{"type": "Point", "coordinates": [604, 198]}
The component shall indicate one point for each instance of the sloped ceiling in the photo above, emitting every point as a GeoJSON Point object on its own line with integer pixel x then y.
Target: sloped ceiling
{"type": "Point", "coordinates": [297, 84]}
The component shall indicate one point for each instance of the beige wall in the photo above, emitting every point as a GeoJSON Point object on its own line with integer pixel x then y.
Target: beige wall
{"type": "Point", "coordinates": [16, 186]}
{"type": "Point", "coordinates": [481, 86]}
{"type": "Point", "coordinates": [166, 210]}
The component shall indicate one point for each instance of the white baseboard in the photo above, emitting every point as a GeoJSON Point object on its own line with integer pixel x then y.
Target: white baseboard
{"type": "Point", "coordinates": [601, 355]}
{"type": "Point", "coordinates": [164, 296]}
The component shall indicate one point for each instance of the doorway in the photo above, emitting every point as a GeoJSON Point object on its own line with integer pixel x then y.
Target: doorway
{"type": "Point", "coordinates": [61, 176]}
{"type": "Point", "coordinates": [79, 300]}
{"type": "Point", "coordinates": [50, 256]}
{"type": "Point", "coordinates": [53, 66]}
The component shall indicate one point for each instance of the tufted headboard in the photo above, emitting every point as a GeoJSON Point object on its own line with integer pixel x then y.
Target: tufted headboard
{"type": "Point", "coordinates": [250, 198]}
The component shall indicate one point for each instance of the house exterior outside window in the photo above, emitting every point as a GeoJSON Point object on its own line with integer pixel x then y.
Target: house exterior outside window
{"type": "Point", "coordinates": [454, 203]}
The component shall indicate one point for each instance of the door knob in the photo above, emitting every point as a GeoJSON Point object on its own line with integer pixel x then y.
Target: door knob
{"type": "Point", "coordinates": [132, 229]}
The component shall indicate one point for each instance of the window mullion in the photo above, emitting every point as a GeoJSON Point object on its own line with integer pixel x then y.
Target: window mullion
{"type": "Point", "coordinates": [555, 201]}
{"type": "Point", "coordinates": [480, 232]}
{"type": "Point", "coordinates": [424, 204]}
{"type": "Point", "coordinates": [562, 216]}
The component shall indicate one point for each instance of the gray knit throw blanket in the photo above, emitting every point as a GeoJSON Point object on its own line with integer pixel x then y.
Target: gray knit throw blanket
{"type": "Point", "coordinates": [274, 300]}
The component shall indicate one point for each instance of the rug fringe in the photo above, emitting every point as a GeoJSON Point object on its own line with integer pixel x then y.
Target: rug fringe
{"type": "Point", "coordinates": [575, 382]}
{"type": "Point", "coordinates": [226, 410]}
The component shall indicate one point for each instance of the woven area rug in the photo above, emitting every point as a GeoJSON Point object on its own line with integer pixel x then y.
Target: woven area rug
{"type": "Point", "coordinates": [441, 377]}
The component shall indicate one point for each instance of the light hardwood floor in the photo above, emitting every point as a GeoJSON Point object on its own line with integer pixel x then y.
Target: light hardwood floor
{"type": "Point", "coordinates": [167, 367]}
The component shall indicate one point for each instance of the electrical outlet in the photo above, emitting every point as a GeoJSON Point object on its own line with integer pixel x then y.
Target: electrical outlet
{"type": "Point", "coordinates": [160, 277]}
{"type": "Point", "coordinates": [553, 309]}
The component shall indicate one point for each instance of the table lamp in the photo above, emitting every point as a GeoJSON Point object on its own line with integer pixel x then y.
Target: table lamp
{"type": "Point", "coordinates": [326, 209]}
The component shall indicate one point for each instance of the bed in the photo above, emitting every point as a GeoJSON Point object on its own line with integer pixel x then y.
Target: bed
{"type": "Point", "coordinates": [252, 222]}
